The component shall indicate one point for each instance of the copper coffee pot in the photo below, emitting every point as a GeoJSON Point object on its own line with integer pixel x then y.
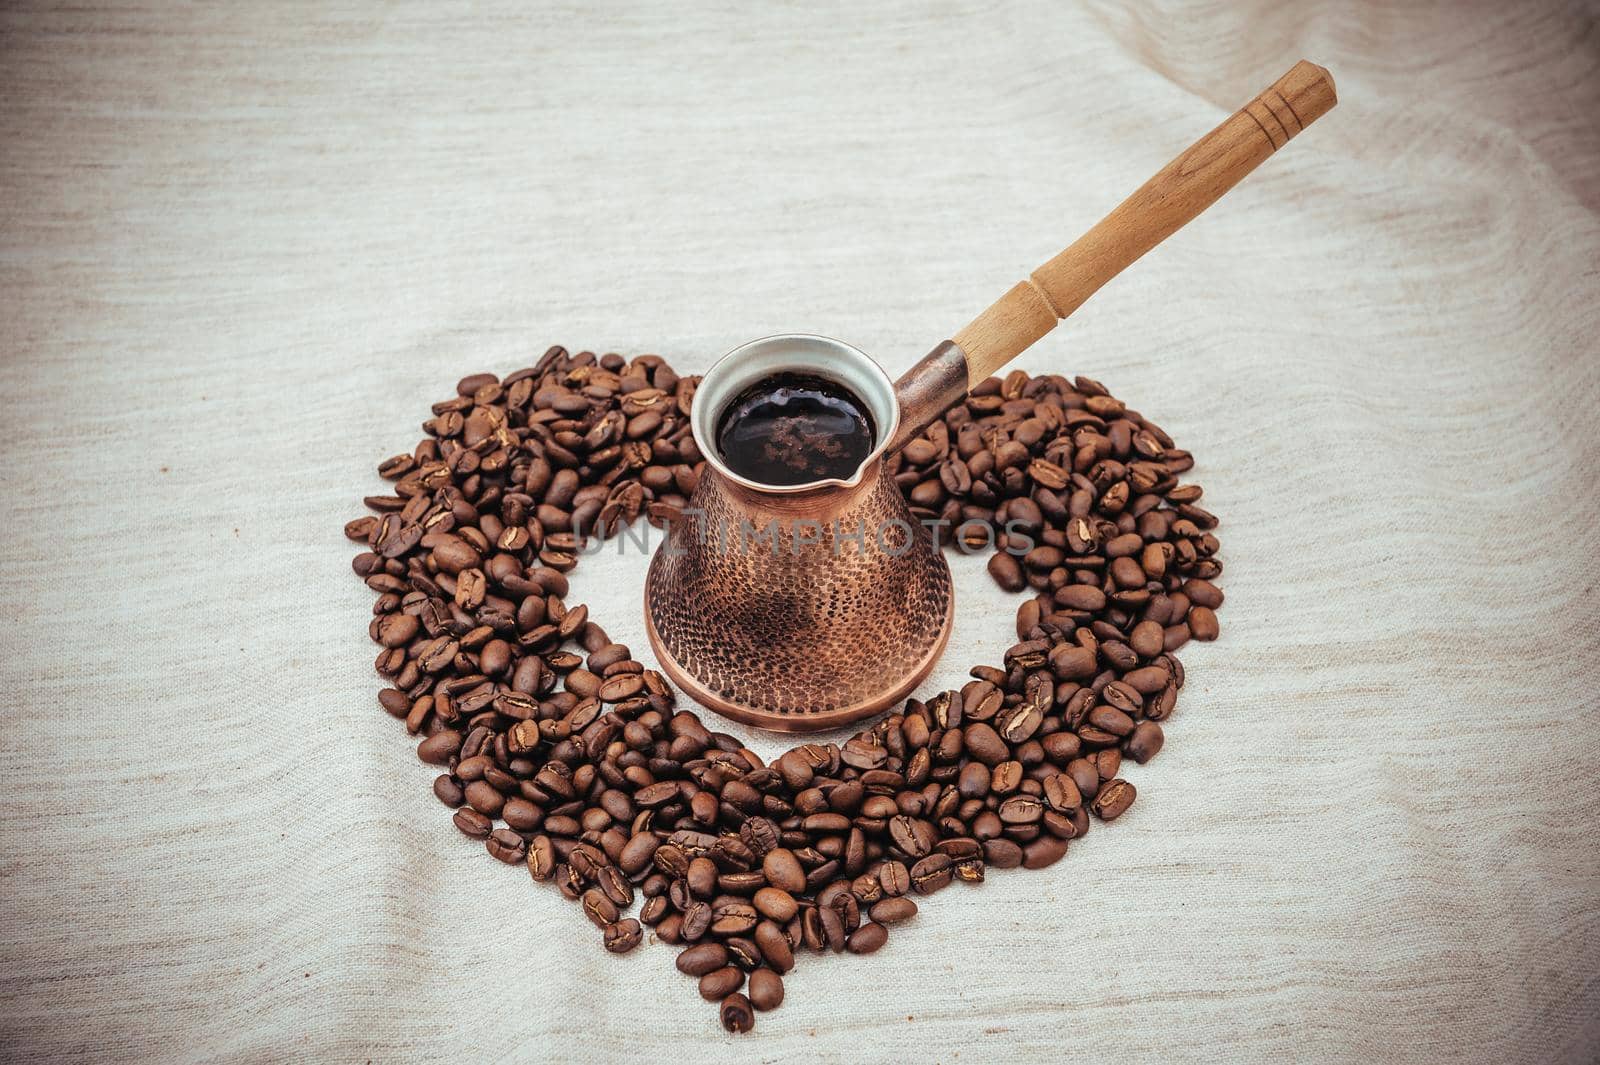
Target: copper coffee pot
{"type": "Point", "coordinates": [803, 607]}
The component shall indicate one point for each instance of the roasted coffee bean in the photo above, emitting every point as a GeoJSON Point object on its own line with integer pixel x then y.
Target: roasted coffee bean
{"type": "Point", "coordinates": [895, 878]}
{"type": "Point", "coordinates": [1072, 662]}
{"type": "Point", "coordinates": [1113, 800]}
{"type": "Point", "coordinates": [1002, 853]}
{"type": "Point", "coordinates": [623, 935]}
{"type": "Point", "coordinates": [1110, 719]}
{"type": "Point", "coordinates": [1061, 794]}
{"type": "Point", "coordinates": [702, 958]}
{"type": "Point", "coordinates": [696, 921]}
{"type": "Point", "coordinates": [701, 877]}
{"type": "Point", "coordinates": [440, 747]}
{"type": "Point", "coordinates": [776, 903]}
{"type": "Point", "coordinates": [831, 929]}
{"type": "Point", "coordinates": [483, 798]}
{"type": "Point", "coordinates": [733, 918]}
{"type": "Point", "coordinates": [542, 858]}
{"type": "Point", "coordinates": [737, 1013]}
{"type": "Point", "coordinates": [775, 947]}
{"type": "Point", "coordinates": [1144, 742]}
{"type": "Point", "coordinates": [892, 911]}
{"type": "Point", "coordinates": [448, 790]}
{"type": "Point", "coordinates": [616, 887]}
{"type": "Point", "coordinates": [670, 928]}
{"type": "Point", "coordinates": [637, 853]}
{"type": "Point", "coordinates": [1046, 850]}
{"type": "Point", "coordinates": [913, 836]}
{"type": "Point", "coordinates": [599, 909]}
{"type": "Point", "coordinates": [931, 873]}
{"type": "Point", "coordinates": [506, 846]}
{"type": "Point", "coordinates": [984, 744]}
{"type": "Point", "coordinates": [1021, 810]}
{"type": "Point", "coordinates": [719, 983]}
{"type": "Point", "coordinates": [784, 870]}
{"type": "Point", "coordinates": [1006, 777]}
{"type": "Point", "coordinates": [766, 991]}
{"type": "Point", "coordinates": [743, 952]}
{"type": "Point", "coordinates": [868, 938]}
{"type": "Point", "coordinates": [1007, 571]}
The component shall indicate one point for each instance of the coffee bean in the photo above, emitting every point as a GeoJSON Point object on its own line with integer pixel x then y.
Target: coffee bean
{"type": "Point", "coordinates": [776, 903]}
{"type": "Point", "coordinates": [670, 928]}
{"type": "Point", "coordinates": [1144, 742]}
{"type": "Point", "coordinates": [895, 878]}
{"type": "Point", "coordinates": [1046, 850]}
{"type": "Point", "coordinates": [1110, 719]}
{"type": "Point", "coordinates": [1113, 800]}
{"type": "Point", "coordinates": [621, 687]}
{"type": "Point", "coordinates": [1007, 572]}
{"type": "Point", "coordinates": [702, 958]}
{"type": "Point", "coordinates": [783, 870]}
{"type": "Point", "coordinates": [1021, 810]}
{"type": "Point", "coordinates": [616, 887]}
{"type": "Point", "coordinates": [1002, 853]}
{"type": "Point", "coordinates": [1148, 680]}
{"type": "Point", "coordinates": [743, 952]}
{"type": "Point", "coordinates": [914, 837]}
{"type": "Point", "coordinates": [931, 873]}
{"type": "Point", "coordinates": [397, 630]}
{"type": "Point", "coordinates": [1203, 593]}
{"type": "Point", "coordinates": [541, 858]}
{"type": "Point", "coordinates": [737, 1014]}
{"type": "Point", "coordinates": [1084, 597]}
{"type": "Point", "coordinates": [654, 910]}
{"type": "Point", "coordinates": [892, 911]}
{"type": "Point", "coordinates": [696, 921]}
{"type": "Point", "coordinates": [984, 744]}
{"type": "Point", "coordinates": [701, 877]}
{"type": "Point", "coordinates": [506, 846]}
{"type": "Point", "coordinates": [439, 748]}
{"type": "Point", "coordinates": [1061, 747]}
{"type": "Point", "coordinates": [834, 933]}
{"type": "Point", "coordinates": [1071, 662]}
{"type": "Point", "coordinates": [766, 990]}
{"type": "Point", "coordinates": [1146, 638]}
{"type": "Point", "coordinates": [599, 909]}
{"type": "Point", "coordinates": [719, 983]}
{"type": "Point", "coordinates": [636, 855]}
{"type": "Point", "coordinates": [1061, 793]}
{"type": "Point", "coordinates": [448, 791]}
{"type": "Point", "coordinates": [483, 798]}
{"type": "Point", "coordinates": [775, 947]}
{"type": "Point", "coordinates": [868, 938]}
{"type": "Point", "coordinates": [623, 935]}
{"type": "Point", "coordinates": [733, 918]}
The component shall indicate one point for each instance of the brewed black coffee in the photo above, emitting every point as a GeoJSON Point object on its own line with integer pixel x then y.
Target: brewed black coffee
{"type": "Point", "coordinates": [792, 428]}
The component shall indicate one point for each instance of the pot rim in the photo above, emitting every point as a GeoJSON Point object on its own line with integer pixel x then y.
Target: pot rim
{"type": "Point", "coordinates": [794, 353]}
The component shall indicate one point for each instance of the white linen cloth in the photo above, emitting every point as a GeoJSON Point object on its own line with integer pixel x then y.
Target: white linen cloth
{"type": "Point", "coordinates": [245, 246]}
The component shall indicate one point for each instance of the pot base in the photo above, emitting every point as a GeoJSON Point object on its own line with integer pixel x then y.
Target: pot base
{"type": "Point", "coordinates": [832, 696]}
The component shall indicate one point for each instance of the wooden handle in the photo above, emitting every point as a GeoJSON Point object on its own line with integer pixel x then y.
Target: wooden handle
{"type": "Point", "coordinates": [1184, 187]}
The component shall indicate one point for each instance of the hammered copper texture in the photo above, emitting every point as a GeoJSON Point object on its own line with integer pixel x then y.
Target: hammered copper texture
{"type": "Point", "coordinates": [798, 639]}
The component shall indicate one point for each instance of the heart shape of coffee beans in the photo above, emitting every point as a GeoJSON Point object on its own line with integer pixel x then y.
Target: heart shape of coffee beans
{"type": "Point", "coordinates": [577, 765]}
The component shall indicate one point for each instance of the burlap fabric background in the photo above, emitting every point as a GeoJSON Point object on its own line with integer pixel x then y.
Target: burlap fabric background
{"type": "Point", "coordinates": [244, 246]}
